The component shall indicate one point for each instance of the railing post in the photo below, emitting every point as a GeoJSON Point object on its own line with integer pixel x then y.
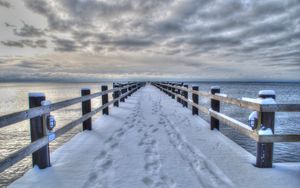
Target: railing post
{"type": "Point", "coordinates": [264, 152]}
{"type": "Point", "coordinates": [104, 99]}
{"type": "Point", "coordinates": [126, 90]}
{"type": "Point", "coordinates": [215, 105]}
{"type": "Point", "coordinates": [178, 92]}
{"type": "Point", "coordinates": [195, 98]}
{"type": "Point", "coordinates": [166, 88]}
{"type": "Point", "coordinates": [40, 157]}
{"type": "Point", "coordinates": [116, 95]}
{"type": "Point", "coordinates": [169, 89]}
{"type": "Point", "coordinates": [129, 89]}
{"type": "Point", "coordinates": [122, 92]}
{"type": "Point", "coordinates": [133, 88]}
{"type": "Point", "coordinates": [173, 90]}
{"type": "Point", "coordinates": [86, 108]}
{"type": "Point", "coordinates": [185, 94]}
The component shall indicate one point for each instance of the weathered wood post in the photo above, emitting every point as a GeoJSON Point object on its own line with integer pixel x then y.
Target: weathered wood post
{"type": "Point", "coordinates": [40, 157]}
{"type": "Point", "coordinates": [264, 152]}
{"type": "Point", "coordinates": [129, 89]}
{"type": "Point", "coordinates": [185, 94]}
{"type": "Point", "coordinates": [116, 95]}
{"type": "Point", "coordinates": [169, 90]}
{"type": "Point", "coordinates": [195, 98]}
{"type": "Point", "coordinates": [134, 88]}
{"type": "Point", "coordinates": [126, 90]}
{"type": "Point", "coordinates": [122, 92]}
{"type": "Point", "coordinates": [215, 105]}
{"type": "Point", "coordinates": [104, 99]}
{"type": "Point", "coordinates": [86, 108]}
{"type": "Point", "coordinates": [163, 87]}
{"type": "Point", "coordinates": [179, 93]}
{"type": "Point", "coordinates": [173, 90]}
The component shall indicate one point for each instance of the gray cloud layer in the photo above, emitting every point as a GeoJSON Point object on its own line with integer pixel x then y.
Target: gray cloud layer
{"type": "Point", "coordinates": [28, 31]}
{"type": "Point", "coordinates": [214, 32]}
{"type": "Point", "coordinates": [186, 27]}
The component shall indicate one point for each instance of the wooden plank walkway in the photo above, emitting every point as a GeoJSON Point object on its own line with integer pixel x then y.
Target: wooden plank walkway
{"type": "Point", "coordinates": [151, 141]}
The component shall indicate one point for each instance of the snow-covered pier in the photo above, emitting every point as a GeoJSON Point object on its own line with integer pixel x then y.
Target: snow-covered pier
{"type": "Point", "coordinates": [152, 141]}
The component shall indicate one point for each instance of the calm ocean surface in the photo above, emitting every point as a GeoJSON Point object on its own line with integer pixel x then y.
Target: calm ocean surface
{"type": "Point", "coordinates": [14, 97]}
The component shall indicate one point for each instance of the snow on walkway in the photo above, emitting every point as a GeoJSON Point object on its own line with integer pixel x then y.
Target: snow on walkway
{"type": "Point", "coordinates": [152, 141]}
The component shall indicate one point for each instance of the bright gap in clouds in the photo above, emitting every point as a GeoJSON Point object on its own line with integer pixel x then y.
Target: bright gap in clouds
{"type": "Point", "coordinates": [90, 40]}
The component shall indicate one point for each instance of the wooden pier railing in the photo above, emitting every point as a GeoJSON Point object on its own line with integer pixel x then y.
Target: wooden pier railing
{"type": "Point", "coordinates": [41, 137]}
{"type": "Point", "coordinates": [265, 113]}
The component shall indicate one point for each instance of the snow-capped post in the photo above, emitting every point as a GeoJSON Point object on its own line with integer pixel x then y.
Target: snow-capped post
{"type": "Point", "coordinates": [173, 90]}
{"type": "Point", "coordinates": [122, 92]}
{"type": "Point", "coordinates": [178, 92]}
{"type": "Point", "coordinates": [41, 157]}
{"type": "Point", "coordinates": [116, 95]}
{"type": "Point", "coordinates": [86, 108]}
{"type": "Point", "coordinates": [167, 89]}
{"type": "Point", "coordinates": [126, 90]}
{"type": "Point", "coordinates": [104, 99]}
{"type": "Point", "coordinates": [129, 89]}
{"type": "Point", "coordinates": [133, 87]}
{"type": "Point", "coordinates": [185, 94]}
{"type": "Point", "coordinates": [170, 90]}
{"type": "Point", "coordinates": [215, 105]}
{"type": "Point", "coordinates": [195, 98]}
{"type": "Point", "coordinates": [264, 154]}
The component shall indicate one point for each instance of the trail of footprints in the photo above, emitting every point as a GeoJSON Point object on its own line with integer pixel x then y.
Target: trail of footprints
{"type": "Point", "coordinates": [201, 167]}
{"type": "Point", "coordinates": [104, 161]}
{"type": "Point", "coordinates": [155, 177]}
{"type": "Point", "coordinates": [153, 163]}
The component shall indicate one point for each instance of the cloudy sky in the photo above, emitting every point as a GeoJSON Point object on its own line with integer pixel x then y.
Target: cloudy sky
{"type": "Point", "coordinates": [92, 40]}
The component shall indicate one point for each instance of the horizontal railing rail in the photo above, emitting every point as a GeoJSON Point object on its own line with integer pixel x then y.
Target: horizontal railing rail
{"type": "Point", "coordinates": [179, 93]}
{"type": "Point", "coordinates": [36, 145]}
{"type": "Point", "coordinates": [16, 117]}
{"type": "Point", "coordinates": [243, 103]}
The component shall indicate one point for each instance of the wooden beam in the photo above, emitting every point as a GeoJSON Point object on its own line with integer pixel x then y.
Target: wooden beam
{"type": "Point", "coordinates": [280, 108]}
{"type": "Point", "coordinates": [279, 138]}
{"type": "Point", "coordinates": [37, 111]}
{"type": "Point", "coordinates": [241, 127]}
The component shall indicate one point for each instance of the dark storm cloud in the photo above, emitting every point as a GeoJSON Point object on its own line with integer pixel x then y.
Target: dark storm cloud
{"type": "Point", "coordinates": [32, 64]}
{"type": "Point", "coordinates": [9, 25]}
{"type": "Point", "coordinates": [26, 43]}
{"type": "Point", "coordinates": [13, 44]}
{"type": "Point", "coordinates": [5, 4]}
{"type": "Point", "coordinates": [65, 45]}
{"type": "Point", "coordinates": [213, 41]}
{"type": "Point", "coordinates": [29, 31]}
{"type": "Point", "coordinates": [169, 26]}
{"type": "Point", "coordinates": [41, 43]}
{"type": "Point", "coordinates": [133, 42]}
